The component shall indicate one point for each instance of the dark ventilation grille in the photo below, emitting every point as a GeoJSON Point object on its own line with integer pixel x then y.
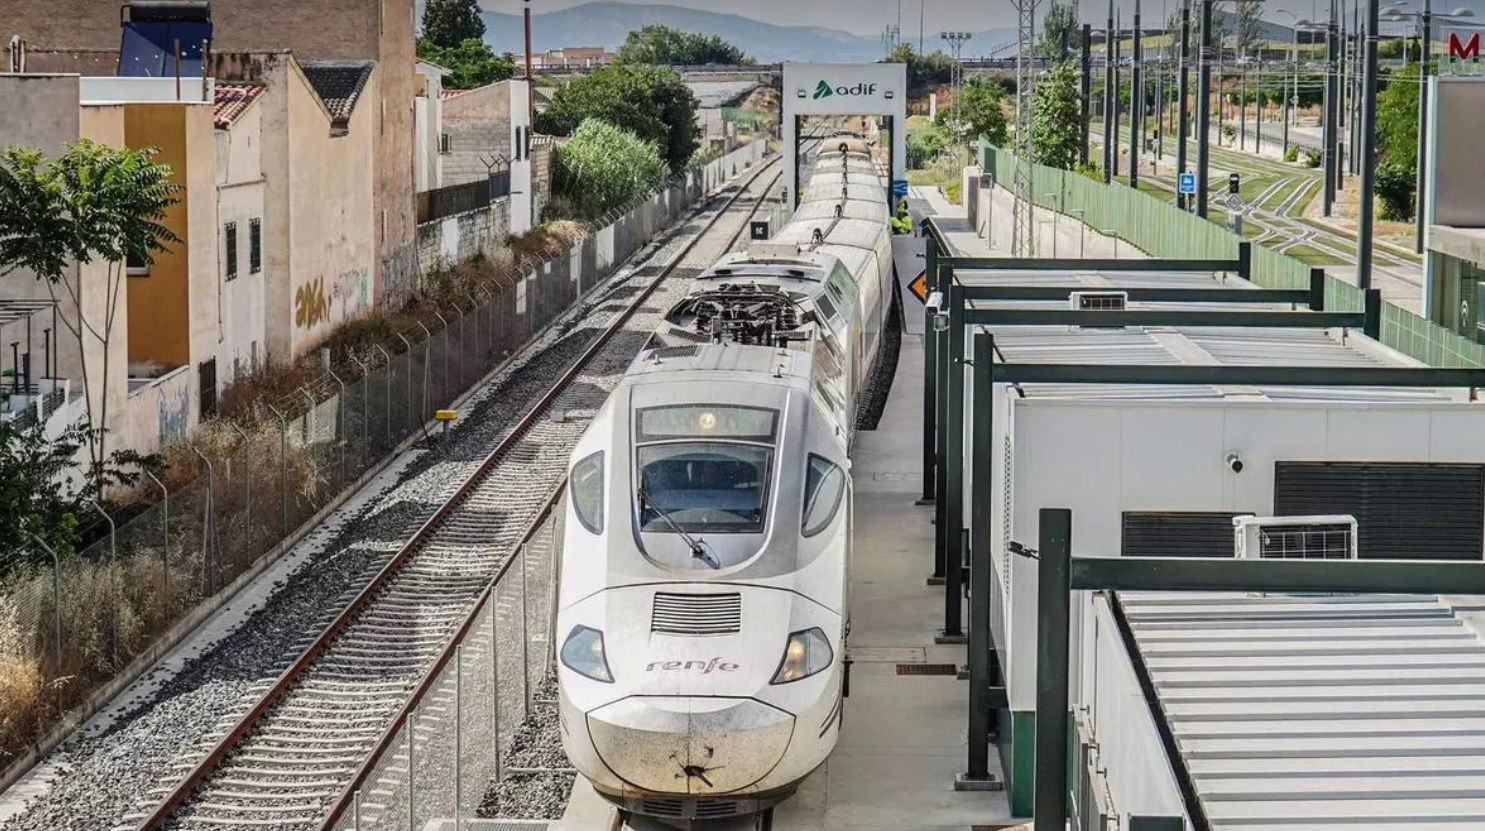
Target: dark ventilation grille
{"type": "Point", "coordinates": [716, 808]}
{"type": "Point", "coordinates": [662, 807]}
{"type": "Point", "coordinates": [927, 669]}
{"type": "Point", "coordinates": [668, 352]}
{"type": "Point", "coordinates": [1403, 511]}
{"type": "Point", "coordinates": [1178, 534]}
{"type": "Point", "coordinates": [696, 614]}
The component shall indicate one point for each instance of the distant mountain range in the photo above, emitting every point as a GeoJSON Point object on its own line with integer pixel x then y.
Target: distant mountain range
{"type": "Point", "coordinates": [606, 24]}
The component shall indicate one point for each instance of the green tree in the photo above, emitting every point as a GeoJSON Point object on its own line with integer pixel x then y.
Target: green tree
{"type": "Point", "coordinates": [471, 64]}
{"type": "Point", "coordinates": [666, 46]}
{"type": "Point", "coordinates": [981, 108]}
{"type": "Point", "coordinates": [924, 145]}
{"type": "Point", "coordinates": [1056, 118]}
{"type": "Point", "coordinates": [651, 102]}
{"type": "Point", "coordinates": [92, 203]}
{"type": "Point", "coordinates": [603, 168]}
{"type": "Point", "coordinates": [1397, 120]}
{"type": "Point", "coordinates": [923, 71]}
{"type": "Point", "coordinates": [1060, 35]}
{"type": "Point", "coordinates": [448, 23]}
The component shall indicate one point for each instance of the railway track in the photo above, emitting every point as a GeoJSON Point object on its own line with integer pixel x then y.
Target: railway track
{"type": "Point", "coordinates": [279, 765]}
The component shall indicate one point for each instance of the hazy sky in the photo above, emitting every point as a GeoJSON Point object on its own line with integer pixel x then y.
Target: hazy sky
{"type": "Point", "coordinates": [868, 17]}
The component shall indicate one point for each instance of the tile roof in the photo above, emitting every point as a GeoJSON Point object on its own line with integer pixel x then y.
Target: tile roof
{"type": "Point", "coordinates": [232, 100]}
{"type": "Point", "coordinates": [339, 85]}
{"type": "Point", "coordinates": [450, 93]}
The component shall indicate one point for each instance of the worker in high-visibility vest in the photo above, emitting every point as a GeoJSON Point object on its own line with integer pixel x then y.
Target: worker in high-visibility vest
{"type": "Point", "coordinates": [902, 224]}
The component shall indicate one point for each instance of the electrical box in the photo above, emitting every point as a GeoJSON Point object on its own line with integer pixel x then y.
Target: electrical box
{"type": "Point", "coordinates": [759, 229]}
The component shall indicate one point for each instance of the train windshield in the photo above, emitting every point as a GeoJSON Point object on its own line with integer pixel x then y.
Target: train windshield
{"type": "Point", "coordinates": [704, 469]}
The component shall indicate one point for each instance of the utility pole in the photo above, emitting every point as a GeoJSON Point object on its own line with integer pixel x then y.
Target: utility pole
{"type": "Point", "coordinates": [1118, 42]}
{"type": "Point", "coordinates": [1425, 44]}
{"type": "Point", "coordinates": [1204, 108]}
{"type": "Point", "coordinates": [1023, 224]}
{"type": "Point", "coordinates": [1159, 107]}
{"type": "Point", "coordinates": [1368, 151]}
{"type": "Point", "coordinates": [1332, 108]}
{"type": "Point", "coordinates": [1136, 104]}
{"type": "Point", "coordinates": [1258, 102]}
{"type": "Point", "coordinates": [1242, 106]}
{"type": "Point", "coordinates": [530, 82]}
{"type": "Point", "coordinates": [1183, 90]}
{"type": "Point", "coordinates": [922, 15]}
{"type": "Point", "coordinates": [1110, 119]}
{"type": "Point", "coordinates": [1087, 82]}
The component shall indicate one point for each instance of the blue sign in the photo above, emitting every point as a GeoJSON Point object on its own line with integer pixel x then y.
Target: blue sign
{"type": "Point", "coordinates": [899, 187]}
{"type": "Point", "coordinates": [1187, 183]}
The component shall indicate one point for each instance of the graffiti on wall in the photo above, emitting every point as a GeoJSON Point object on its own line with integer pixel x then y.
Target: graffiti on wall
{"type": "Point", "coordinates": [353, 290]}
{"type": "Point", "coordinates": [173, 408]}
{"type": "Point", "coordinates": [311, 306]}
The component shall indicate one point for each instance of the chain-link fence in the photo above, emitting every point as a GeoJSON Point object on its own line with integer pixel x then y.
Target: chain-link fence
{"type": "Point", "coordinates": [452, 739]}
{"type": "Point", "coordinates": [70, 622]}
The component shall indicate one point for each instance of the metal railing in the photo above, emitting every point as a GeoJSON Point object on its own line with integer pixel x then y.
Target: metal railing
{"type": "Point", "coordinates": [451, 741]}
{"type": "Point", "coordinates": [1090, 807]}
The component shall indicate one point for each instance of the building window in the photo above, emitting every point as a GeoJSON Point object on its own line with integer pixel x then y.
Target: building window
{"type": "Point", "coordinates": [136, 266]}
{"type": "Point", "coordinates": [231, 248]}
{"type": "Point", "coordinates": [255, 246]}
{"type": "Point", "coordinates": [443, 144]}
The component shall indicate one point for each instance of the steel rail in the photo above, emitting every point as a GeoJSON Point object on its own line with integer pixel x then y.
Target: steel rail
{"type": "Point", "coordinates": [198, 776]}
{"type": "Point", "coordinates": [430, 678]}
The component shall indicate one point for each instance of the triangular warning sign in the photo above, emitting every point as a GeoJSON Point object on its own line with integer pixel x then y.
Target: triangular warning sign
{"type": "Point", "coordinates": [919, 286]}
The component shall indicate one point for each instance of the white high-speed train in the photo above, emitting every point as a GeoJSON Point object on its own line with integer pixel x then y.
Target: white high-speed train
{"type": "Point", "coordinates": [702, 613]}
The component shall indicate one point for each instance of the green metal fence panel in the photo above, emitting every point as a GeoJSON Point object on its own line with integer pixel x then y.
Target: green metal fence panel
{"type": "Point", "coordinates": [1161, 230]}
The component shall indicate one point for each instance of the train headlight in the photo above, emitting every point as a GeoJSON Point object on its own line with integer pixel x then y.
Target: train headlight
{"type": "Point", "coordinates": [582, 653]}
{"type": "Point", "coordinates": [805, 654]}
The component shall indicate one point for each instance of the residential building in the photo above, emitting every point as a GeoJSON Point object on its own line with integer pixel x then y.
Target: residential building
{"type": "Point", "coordinates": [83, 36]}
{"type": "Point", "coordinates": [302, 162]}
{"type": "Point", "coordinates": [579, 58]}
{"type": "Point", "coordinates": [487, 131]}
{"type": "Point", "coordinates": [151, 374]}
{"type": "Point", "coordinates": [428, 145]}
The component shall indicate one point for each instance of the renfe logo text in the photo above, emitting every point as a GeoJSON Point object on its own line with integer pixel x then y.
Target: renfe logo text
{"type": "Point", "coordinates": [706, 667]}
{"type": "Point", "coordinates": [825, 90]}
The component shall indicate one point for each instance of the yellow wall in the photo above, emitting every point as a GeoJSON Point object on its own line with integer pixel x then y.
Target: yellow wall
{"type": "Point", "coordinates": [159, 304]}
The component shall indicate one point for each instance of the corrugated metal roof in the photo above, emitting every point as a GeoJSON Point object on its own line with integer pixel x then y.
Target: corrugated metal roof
{"type": "Point", "coordinates": [1302, 713]}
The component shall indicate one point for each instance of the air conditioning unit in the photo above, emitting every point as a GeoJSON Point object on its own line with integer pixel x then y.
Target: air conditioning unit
{"type": "Point", "coordinates": [1098, 301]}
{"type": "Point", "coordinates": [1295, 537]}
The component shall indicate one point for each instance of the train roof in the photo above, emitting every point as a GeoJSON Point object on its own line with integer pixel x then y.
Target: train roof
{"type": "Point", "coordinates": [763, 364]}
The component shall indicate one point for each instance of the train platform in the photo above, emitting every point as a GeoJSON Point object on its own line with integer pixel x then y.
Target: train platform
{"type": "Point", "coordinates": [903, 741]}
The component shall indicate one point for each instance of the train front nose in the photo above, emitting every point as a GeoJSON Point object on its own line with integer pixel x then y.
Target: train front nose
{"type": "Point", "coordinates": [693, 746]}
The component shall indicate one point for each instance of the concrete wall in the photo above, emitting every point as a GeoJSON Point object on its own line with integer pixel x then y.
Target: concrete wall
{"type": "Point", "coordinates": [447, 242]}
{"type": "Point", "coordinates": [427, 127]}
{"type": "Point", "coordinates": [478, 124]}
{"type": "Point", "coordinates": [241, 198]}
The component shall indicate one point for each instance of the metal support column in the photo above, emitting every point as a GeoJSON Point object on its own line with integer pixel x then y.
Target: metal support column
{"type": "Point", "coordinates": [930, 391]}
{"type": "Point", "coordinates": [1054, 601]}
{"type": "Point", "coordinates": [1087, 83]}
{"type": "Point", "coordinates": [1183, 130]}
{"type": "Point", "coordinates": [980, 645]}
{"type": "Point", "coordinates": [1366, 209]}
{"type": "Point", "coordinates": [1136, 103]}
{"type": "Point", "coordinates": [952, 530]}
{"type": "Point", "coordinates": [941, 438]}
{"type": "Point", "coordinates": [1331, 113]}
{"type": "Point", "coordinates": [1110, 97]}
{"type": "Point", "coordinates": [1425, 45]}
{"type": "Point", "coordinates": [1203, 107]}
